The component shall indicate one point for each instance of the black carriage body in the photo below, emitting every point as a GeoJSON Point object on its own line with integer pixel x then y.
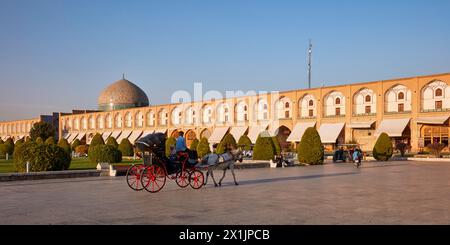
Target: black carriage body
{"type": "Point", "coordinates": [154, 143]}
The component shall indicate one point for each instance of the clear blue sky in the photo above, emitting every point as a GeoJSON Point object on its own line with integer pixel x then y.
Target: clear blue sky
{"type": "Point", "coordinates": [58, 55]}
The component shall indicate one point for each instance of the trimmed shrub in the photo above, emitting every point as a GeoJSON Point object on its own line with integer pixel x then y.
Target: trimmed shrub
{"type": "Point", "coordinates": [277, 145]}
{"type": "Point", "coordinates": [171, 141]}
{"type": "Point", "coordinates": [39, 140]}
{"type": "Point", "coordinates": [42, 157]}
{"type": "Point", "coordinates": [436, 148]}
{"type": "Point", "coordinates": [75, 144]}
{"type": "Point", "coordinates": [310, 149]}
{"type": "Point", "coordinates": [21, 141]}
{"type": "Point", "coordinates": [264, 148]}
{"type": "Point", "coordinates": [105, 154]}
{"type": "Point", "coordinates": [63, 143]}
{"type": "Point", "coordinates": [97, 140]}
{"type": "Point", "coordinates": [82, 149]}
{"type": "Point", "coordinates": [43, 130]}
{"type": "Point", "coordinates": [194, 144]}
{"type": "Point", "coordinates": [112, 141]}
{"type": "Point", "coordinates": [7, 147]}
{"type": "Point", "coordinates": [50, 141]}
{"type": "Point", "coordinates": [383, 148]}
{"type": "Point", "coordinates": [203, 147]}
{"type": "Point", "coordinates": [1, 141]}
{"type": "Point", "coordinates": [126, 148]}
{"type": "Point", "coordinates": [245, 143]}
{"type": "Point", "coordinates": [227, 142]}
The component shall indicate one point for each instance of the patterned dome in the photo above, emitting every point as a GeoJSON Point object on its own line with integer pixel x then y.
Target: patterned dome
{"type": "Point", "coordinates": [120, 95]}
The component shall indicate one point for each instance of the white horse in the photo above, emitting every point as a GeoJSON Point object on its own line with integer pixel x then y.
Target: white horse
{"type": "Point", "coordinates": [222, 162]}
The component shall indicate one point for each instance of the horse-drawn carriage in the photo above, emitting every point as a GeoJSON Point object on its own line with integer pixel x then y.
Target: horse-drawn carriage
{"type": "Point", "coordinates": [184, 168]}
{"type": "Point", "coordinates": [157, 167]}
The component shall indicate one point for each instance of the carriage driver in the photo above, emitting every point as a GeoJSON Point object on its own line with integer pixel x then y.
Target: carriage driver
{"type": "Point", "coordinates": [181, 143]}
{"type": "Point", "coordinates": [180, 147]}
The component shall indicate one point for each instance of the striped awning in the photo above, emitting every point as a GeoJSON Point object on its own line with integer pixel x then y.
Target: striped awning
{"type": "Point", "coordinates": [134, 136]}
{"type": "Point", "coordinates": [299, 129]}
{"type": "Point", "coordinates": [237, 132]}
{"type": "Point", "coordinates": [124, 135]}
{"type": "Point", "coordinates": [72, 137]}
{"type": "Point", "coordinates": [218, 134]}
{"type": "Point", "coordinates": [392, 127]}
{"type": "Point", "coordinates": [116, 134]}
{"type": "Point", "coordinates": [432, 120]}
{"type": "Point", "coordinates": [254, 131]}
{"type": "Point", "coordinates": [66, 135]}
{"type": "Point", "coordinates": [81, 135]}
{"type": "Point", "coordinates": [329, 132]}
{"type": "Point", "coordinates": [106, 135]}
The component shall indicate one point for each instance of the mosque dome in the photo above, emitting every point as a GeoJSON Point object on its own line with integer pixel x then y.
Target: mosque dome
{"type": "Point", "coordinates": [120, 95]}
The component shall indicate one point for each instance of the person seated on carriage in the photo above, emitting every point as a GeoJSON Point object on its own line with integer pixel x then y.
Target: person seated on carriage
{"type": "Point", "coordinates": [181, 148]}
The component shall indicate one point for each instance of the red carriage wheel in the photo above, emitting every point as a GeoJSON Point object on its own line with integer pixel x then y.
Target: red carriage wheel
{"type": "Point", "coordinates": [182, 178]}
{"type": "Point", "coordinates": [153, 178]}
{"type": "Point", "coordinates": [134, 177]}
{"type": "Point", "coordinates": [196, 179]}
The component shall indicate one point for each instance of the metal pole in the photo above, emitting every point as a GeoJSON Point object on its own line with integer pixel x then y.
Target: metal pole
{"type": "Point", "coordinates": [28, 167]}
{"type": "Point", "coordinates": [309, 63]}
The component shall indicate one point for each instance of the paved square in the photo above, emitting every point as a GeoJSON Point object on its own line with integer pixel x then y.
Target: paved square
{"type": "Point", "coordinates": [388, 193]}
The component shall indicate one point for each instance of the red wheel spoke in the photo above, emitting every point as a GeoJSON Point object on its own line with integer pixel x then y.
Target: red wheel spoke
{"type": "Point", "coordinates": [156, 183]}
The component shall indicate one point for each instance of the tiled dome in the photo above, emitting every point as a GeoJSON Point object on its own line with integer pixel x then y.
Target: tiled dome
{"type": "Point", "coordinates": [120, 95]}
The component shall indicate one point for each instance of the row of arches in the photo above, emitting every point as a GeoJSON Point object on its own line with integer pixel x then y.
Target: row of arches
{"type": "Point", "coordinates": [16, 127]}
{"type": "Point", "coordinates": [434, 96]}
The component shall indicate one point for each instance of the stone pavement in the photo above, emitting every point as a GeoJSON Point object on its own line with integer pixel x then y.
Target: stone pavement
{"type": "Point", "coordinates": [387, 193]}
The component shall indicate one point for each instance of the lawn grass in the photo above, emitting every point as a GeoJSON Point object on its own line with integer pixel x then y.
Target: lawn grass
{"type": "Point", "coordinates": [7, 166]}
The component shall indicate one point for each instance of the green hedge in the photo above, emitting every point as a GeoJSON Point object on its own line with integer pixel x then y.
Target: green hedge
{"type": "Point", "coordinates": [50, 141]}
{"type": "Point", "coordinates": [277, 145]}
{"type": "Point", "coordinates": [39, 140]}
{"type": "Point", "coordinates": [112, 141]}
{"type": "Point", "coordinates": [383, 149]}
{"type": "Point", "coordinates": [264, 147]}
{"type": "Point", "coordinates": [126, 148]}
{"type": "Point", "coordinates": [203, 147]}
{"type": "Point", "coordinates": [171, 141]}
{"type": "Point", "coordinates": [245, 143]}
{"type": "Point", "coordinates": [63, 143]}
{"type": "Point", "coordinates": [227, 142]}
{"type": "Point", "coordinates": [7, 147]}
{"type": "Point", "coordinates": [97, 140]}
{"type": "Point", "coordinates": [194, 144]}
{"type": "Point", "coordinates": [21, 141]}
{"type": "Point", "coordinates": [43, 130]}
{"type": "Point", "coordinates": [310, 149]}
{"type": "Point", "coordinates": [42, 157]}
{"type": "Point", "coordinates": [105, 154]}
